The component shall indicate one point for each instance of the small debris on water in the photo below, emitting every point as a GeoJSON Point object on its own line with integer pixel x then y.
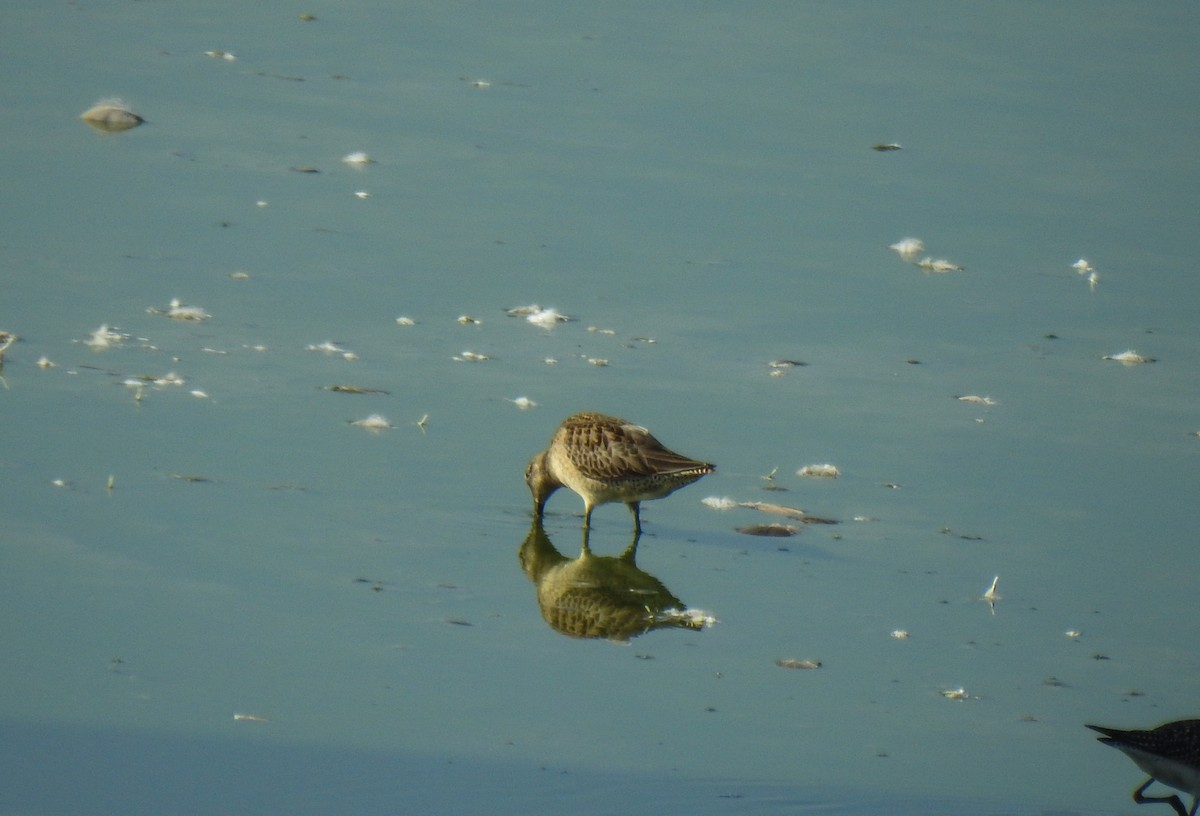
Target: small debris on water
{"type": "Point", "coordinates": [938, 265]}
{"type": "Point", "coordinates": [547, 318]}
{"type": "Point", "coordinates": [332, 348]}
{"type": "Point", "coordinates": [689, 618]}
{"type": "Point", "coordinates": [792, 663]}
{"type": "Point", "coordinates": [254, 718]}
{"type": "Point", "coordinates": [775, 509]}
{"type": "Point", "coordinates": [6, 340]}
{"type": "Point", "coordinates": [373, 423]}
{"type": "Point", "coordinates": [471, 357]}
{"type": "Point", "coordinates": [178, 311]}
{"type": "Point", "coordinates": [768, 530]}
{"type": "Point", "coordinates": [822, 471]}
{"type": "Point", "coordinates": [111, 115]}
{"type": "Point", "coordinates": [964, 536]}
{"type": "Point", "coordinates": [1129, 357]}
{"type": "Point", "coordinates": [957, 694]}
{"type": "Point", "coordinates": [352, 389]}
{"type": "Point", "coordinates": [990, 595]}
{"type": "Point", "coordinates": [105, 338]}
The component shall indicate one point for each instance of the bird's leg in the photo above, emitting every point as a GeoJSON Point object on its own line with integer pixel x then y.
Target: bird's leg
{"type": "Point", "coordinates": [587, 516]}
{"type": "Point", "coordinates": [1171, 800]}
{"type": "Point", "coordinates": [636, 509]}
{"type": "Point", "coordinates": [586, 535]}
{"type": "Point", "coordinates": [630, 553]}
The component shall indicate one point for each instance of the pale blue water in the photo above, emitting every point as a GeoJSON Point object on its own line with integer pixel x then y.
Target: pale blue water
{"type": "Point", "coordinates": [691, 174]}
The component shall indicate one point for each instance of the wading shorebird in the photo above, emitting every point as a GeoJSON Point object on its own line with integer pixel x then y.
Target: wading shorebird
{"type": "Point", "coordinates": [605, 459]}
{"type": "Point", "coordinates": [1170, 753]}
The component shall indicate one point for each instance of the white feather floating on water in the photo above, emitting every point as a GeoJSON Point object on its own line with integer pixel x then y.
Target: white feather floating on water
{"type": "Point", "coordinates": [373, 423]}
{"type": "Point", "coordinates": [822, 471]}
{"type": "Point", "coordinates": [178, 311]}
{"type": "Point", "coordinates": [547, 318]}
{"type": "Point", "coordinates": [908, 248]}
{"type": "Point", "coordinates": [104, 338]}
{"type": "Point", "coordinates": [1129, 357]}
{"type": "Point", "coordinates": [938, 265]}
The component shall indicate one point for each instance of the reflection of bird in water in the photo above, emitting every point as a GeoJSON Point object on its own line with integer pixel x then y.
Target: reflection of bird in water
{"type": "Point", "coordinates": [595, 596]}
{"type": "Point", "coordinates": [605, 459]}
{"type": "Point", "coordinates": [1170, 753]}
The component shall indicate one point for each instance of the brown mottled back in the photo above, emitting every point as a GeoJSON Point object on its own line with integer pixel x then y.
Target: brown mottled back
{"type": "Point", "coordinates": [609, 448]}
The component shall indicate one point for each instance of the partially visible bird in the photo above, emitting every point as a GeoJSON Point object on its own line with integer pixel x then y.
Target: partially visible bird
{"type": "Point", "coordinates": [1170, 753]}
{"type": "Point", "coordinates": [606, 459]}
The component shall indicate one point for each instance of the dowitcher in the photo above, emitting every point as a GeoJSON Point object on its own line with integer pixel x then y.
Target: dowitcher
{"type": "Point", "coordinates": [605, 459]}
{"type": "Point", "coordinates": [1170, 753]}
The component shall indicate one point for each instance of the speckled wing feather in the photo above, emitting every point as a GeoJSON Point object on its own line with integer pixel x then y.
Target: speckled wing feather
{"type": "Point", "coordinates": [608, 448]}
{"type": "Point", "coordinates": [1178, 740]}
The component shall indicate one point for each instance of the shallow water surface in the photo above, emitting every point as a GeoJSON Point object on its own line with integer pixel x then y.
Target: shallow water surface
{"type": "Point", "coordinates": [194, 527]}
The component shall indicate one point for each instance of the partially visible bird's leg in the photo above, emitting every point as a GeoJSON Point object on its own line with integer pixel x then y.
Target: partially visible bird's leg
{"type": "Point", "coordinates": [1171, 800]}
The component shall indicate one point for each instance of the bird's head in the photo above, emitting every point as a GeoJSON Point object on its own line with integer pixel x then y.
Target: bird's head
{"type": "Point", "coordinates": [541, 482]}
